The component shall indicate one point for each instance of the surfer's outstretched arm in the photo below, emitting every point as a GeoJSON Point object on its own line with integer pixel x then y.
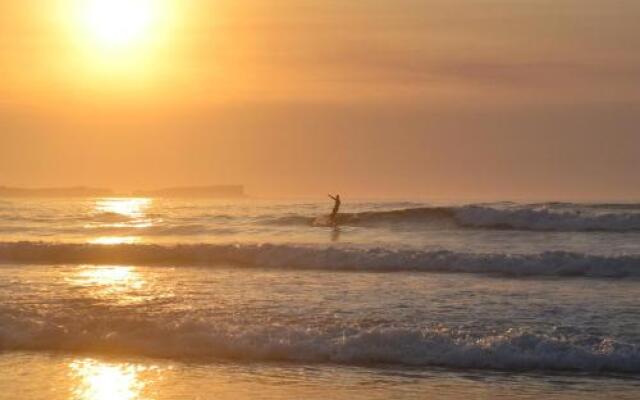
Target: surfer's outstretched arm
{"type": "Point", "coordinates": [332, 197]}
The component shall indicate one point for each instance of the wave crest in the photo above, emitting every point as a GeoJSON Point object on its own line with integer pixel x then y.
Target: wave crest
{"type": "Point", "coordinates": [196, 339]}
{"type": "Point", "coordinates": [556, 263]}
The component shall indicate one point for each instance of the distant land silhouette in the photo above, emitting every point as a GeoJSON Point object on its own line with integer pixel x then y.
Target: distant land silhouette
{"type": "Point", "coordinates": [215, 191]}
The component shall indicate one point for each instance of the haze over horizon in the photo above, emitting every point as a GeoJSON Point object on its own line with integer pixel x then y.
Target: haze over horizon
{"type": "Point", "coordinates": [441, 99]}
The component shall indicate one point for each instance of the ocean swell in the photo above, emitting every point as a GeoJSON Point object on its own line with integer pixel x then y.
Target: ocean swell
{"type": "Point", "coordinates": [202, 340]}
{"type": "Point", "coordinates": [554, 263]}
{"type": "Point", "coordinates": [546, 219]}
{"type": "Point", "coordinates": [557, 218]}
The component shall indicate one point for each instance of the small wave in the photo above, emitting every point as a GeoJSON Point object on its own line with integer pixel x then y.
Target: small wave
{"type": "Point", "coordinates": [407, 215]}
{"type": "Point", "coordinates": [369, 218]}
{"type": "Point", "coordinates": [184, 230]}
{"type": "Point", "coordinates": [152, 230]}
{"type": "Point", "coordinates": [288, 220]}
{"type": "Point", "coordinates": [188, 338]}
{"type": "Point", "coordinates": [546, 219]}
{"type": "Point", "coordinates": [615, 206]}
{"type": "Point", "coordinates": [109, 217]}
{"type": "Point", "coordinates": [557, 263]}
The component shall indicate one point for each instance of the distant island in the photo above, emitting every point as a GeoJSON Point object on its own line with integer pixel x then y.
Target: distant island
{"type": "Point", "coordinates": [215, 191]}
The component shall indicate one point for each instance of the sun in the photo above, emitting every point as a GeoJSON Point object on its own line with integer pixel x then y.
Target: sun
{"type": "Point", "coordinates": [119, 24]}
{"type": "Point", "coordinates": [119, 46]}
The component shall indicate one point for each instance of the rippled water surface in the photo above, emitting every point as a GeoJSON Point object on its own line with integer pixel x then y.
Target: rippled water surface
{"type": "Point", "coordinates": [159, 299]}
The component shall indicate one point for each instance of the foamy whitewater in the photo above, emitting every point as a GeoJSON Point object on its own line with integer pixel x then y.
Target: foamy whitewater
{"type": "Point", "coordinates": [432, 291]}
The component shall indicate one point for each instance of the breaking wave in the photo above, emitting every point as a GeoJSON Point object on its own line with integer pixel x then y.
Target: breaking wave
{"type": "Point", "coordinates": [553, 263]}
{"type": "Point", "coordinates": [185, 338]}
{"type": "Point", "coordinates": [607, 218]}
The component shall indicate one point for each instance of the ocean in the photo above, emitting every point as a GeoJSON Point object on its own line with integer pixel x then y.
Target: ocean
{"type": "Point", "coordinates": [134, 298]}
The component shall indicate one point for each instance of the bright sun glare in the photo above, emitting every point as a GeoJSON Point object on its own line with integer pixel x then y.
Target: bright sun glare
{"type": "Point", "coordinates": [119, 24]}
{"type": "Point", "coordinates": [130, 207]}
{"type": "Point", "coordinates": [119, 44]}
{"type": "Point", "coordinates": [100, 381]}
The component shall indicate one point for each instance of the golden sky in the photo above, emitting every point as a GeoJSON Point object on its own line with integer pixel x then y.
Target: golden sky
{"type": "Point", "coordinates": [437, 98]}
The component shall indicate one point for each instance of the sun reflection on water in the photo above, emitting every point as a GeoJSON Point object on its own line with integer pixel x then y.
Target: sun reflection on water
{"type": "Point", "coordinates": [130, 207]}
{"type": "Point", "coordinates": [124, 215]}
{"type": "Point", "coordinates": [115, 284]}
{"type": "Point", "coordinates": [115, 277]}
{"type": "Point", "coordinates": [103, 381]}
{"type": "Point", "coordinates": [115, 240]}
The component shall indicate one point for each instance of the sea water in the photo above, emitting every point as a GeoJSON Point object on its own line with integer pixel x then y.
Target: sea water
{"type": "Point", "coordinates": [133, 298]}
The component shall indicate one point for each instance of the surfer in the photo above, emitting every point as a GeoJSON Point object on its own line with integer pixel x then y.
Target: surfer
{"type": "Point", "coordinates": [336, 207]}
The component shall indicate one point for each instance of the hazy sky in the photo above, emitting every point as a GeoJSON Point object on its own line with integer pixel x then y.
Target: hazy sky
{"type": "Point", "coordinates": [435, 98]}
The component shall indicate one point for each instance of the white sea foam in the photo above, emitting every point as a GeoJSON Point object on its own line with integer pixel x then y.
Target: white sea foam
{"type": "Point", "coordinates": [556, 263]}
{"type": "Point", "coordinates": [195, 339]}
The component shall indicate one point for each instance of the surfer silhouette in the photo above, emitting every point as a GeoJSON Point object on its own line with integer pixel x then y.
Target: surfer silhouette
{"type": "Point", "coordinates": [336, 207]}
